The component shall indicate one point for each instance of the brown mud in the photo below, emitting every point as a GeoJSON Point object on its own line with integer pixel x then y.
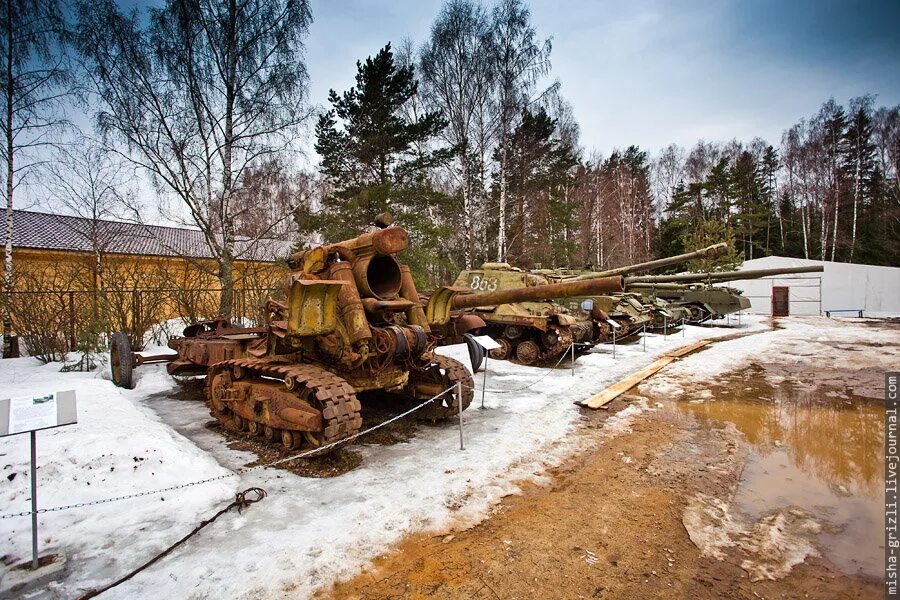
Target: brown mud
{"type": "Point", "coordinates": [764, 484]}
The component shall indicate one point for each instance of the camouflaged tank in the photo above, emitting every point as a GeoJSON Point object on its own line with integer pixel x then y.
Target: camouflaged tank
{"type": "Point", "coordinates": [523, 317]}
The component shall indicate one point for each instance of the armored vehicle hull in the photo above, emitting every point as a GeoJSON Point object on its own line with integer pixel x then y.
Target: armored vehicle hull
{"type": "Point", "coordinates": [352, 324]}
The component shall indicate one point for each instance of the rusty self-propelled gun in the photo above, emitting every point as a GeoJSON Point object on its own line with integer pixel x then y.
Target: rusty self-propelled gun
{"type": "Point", "coordinates": [696, 293]}
{"type": "Point", "coordinates": [352, 324]}
{"type": "Point", "coordinates": [516, 309]}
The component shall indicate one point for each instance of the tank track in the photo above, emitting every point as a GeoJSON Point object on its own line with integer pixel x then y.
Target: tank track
{"type": "Point", "coordinates": [454, 372]}
{"type": "Point", "coordinates": [335, 397]}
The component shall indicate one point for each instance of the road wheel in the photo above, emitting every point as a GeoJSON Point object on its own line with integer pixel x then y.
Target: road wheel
{"type": "Point", "coordinates": [503, 352]}
{"type": "Point", "coordinates": [527, 352]}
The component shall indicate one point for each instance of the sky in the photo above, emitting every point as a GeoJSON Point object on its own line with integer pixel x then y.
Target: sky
{"type": "Point", "coordinates": [651, 73]}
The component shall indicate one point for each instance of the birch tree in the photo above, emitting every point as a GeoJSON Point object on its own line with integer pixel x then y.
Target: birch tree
{"type": "Point", "coordinates": [33, 85]}
{"type": "Point", "coordinates": [457, 76]}
{"type": "Point", "coordinates": [519, 61]}
{"type": "Point", "coordinates": [196, 93]}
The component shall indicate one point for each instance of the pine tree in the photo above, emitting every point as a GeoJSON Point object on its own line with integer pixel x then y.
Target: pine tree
{"type": "Point", "coordinates": [377, 158]}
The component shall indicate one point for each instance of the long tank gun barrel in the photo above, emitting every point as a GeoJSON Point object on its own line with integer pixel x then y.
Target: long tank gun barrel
{"type": "Point", "coordinates": [656, 264]}
{"type": "Point", "coordinates": [446, 299]}
{"type": "Point", "coordinates": [590, 287]}
{"type": "Point", "coordinates": [719, 277]}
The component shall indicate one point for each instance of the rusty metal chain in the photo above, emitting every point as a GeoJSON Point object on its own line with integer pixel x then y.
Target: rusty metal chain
{"type": "Point", "coordinates": [533, 383]}
{"type": "Point", "coordinates": [234, 473]}
{"type": "Point", "coordinates": [241, 501]}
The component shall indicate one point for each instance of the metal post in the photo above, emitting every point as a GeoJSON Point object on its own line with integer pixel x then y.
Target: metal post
{"type": "Point", "coordinates": [484, 379]}
{"type": "Point", "coordinates": [739, 317]}
{"type": "Point", "coordinates": [459, 397]}
{"type": "Point", "coordinates": [73, 343]}
{"type": "Point", "coordinates": [34, 526]}
{"type": "Point", "coordinates": [682, 326]}
{"type": "Point", "coordinates": [572, 348]}
{"type": "Point", "coordinates": [644, 335]}
{"type": "Point", "coordinates": [665, 326]}
{"type": "Point", "coordinates": [614, 343]}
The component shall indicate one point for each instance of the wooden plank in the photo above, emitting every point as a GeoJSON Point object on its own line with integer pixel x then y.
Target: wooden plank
{"type": "Point", "coordinates": [614, 391]}
{"type": "Point", "coordinates": [620, 387]}
{"type": "Point", "coordinates": [684, 350]}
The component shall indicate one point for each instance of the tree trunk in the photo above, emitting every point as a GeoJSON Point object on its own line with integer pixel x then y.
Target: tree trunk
{"type": "Point", "coordinates": [856, 189]}
{"type": "Point", "coordinates": [837, 203]}
{"type": "Point", "coordinates": [501, 234]}
{"type": "Point", "coordinates": [467, 214]}
{"type": "Point", "coordinates": [226, 252]}
{"type": "Point", "coordinates": [8, 256]}
{"type": "Point", "coordinates": [226, 279]}
{"type": "Point", "coordinates": [804, 225]}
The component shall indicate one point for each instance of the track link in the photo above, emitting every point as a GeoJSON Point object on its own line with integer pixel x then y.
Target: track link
{"type": "Point", "coordinates": [332, 394]}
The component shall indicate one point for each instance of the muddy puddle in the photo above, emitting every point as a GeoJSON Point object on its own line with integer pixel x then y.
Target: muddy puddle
{"type": "Point", "coordinates": [816, 448]}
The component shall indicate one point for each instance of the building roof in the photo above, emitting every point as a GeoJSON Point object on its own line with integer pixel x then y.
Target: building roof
{"type": "Point", "coordinates": [47, 231]}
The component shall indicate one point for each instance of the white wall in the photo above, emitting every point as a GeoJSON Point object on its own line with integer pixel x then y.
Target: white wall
{"type": "Point", "coordinates": [876, 290]}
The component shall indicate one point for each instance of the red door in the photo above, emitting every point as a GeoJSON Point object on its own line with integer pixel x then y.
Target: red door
{"type": "Point", "coordinates": [780, 303]}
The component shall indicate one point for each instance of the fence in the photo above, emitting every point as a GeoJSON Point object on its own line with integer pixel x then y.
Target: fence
{"type": "Point", "coordinates": [52, 322]}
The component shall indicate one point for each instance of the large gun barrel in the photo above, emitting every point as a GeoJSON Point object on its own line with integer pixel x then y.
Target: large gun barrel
{"type": "Point", "coordinates": [718, 277]}
{"type": "Point", "coordinates": [656, 264]}
{"type": "Point", "coordinates": [597, 286]}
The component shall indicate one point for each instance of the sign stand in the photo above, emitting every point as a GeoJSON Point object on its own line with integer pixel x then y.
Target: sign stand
{"type": "Point", "coordinates": [484, 379]}
{"type": "Point", "coordinates": [459, 395]}
{"type": "Point", "coordinates": [488, 343]}
{"type": "Point", "coordinates": [572, 348]}
{"type": "Point", "coordinates": [30, 414]}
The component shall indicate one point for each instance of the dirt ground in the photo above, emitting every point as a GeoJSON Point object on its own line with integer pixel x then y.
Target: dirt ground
{"type": "Point", "coordinates": [611, 524]}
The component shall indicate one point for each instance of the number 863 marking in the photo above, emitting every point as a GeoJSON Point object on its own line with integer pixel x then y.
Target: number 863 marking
{"type": "Point", "coordinates": [483, 284]}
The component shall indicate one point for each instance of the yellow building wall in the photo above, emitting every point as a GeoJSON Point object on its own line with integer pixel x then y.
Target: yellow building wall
{"type": "Point", "coordinates": [130, 292]}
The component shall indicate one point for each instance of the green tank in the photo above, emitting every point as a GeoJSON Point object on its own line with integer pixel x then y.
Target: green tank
{"type": "Point", "coordinates": [701, 301]}
{"type": "Point", "coordinates": [696, 293]}
{"type": "Point", "coordinates": [631, 311]}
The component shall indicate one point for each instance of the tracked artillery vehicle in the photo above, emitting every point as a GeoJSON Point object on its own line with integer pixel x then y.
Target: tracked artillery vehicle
{"type": "Point", "coordinates": [516, 309]}
{"type": "Point", "coordinates": [696, 292]}
{"type": "Point", "coordinates": [631, 311]}
{"type": "Point", "coordinates": [352, 324]}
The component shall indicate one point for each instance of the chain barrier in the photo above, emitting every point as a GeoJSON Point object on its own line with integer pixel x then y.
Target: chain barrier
{"type": "Point", "coordinates": [549, 370]}
{"type": "Point", "coordinates": [241, 501]}
{"type": "Point", "coordinates": [235, 473]}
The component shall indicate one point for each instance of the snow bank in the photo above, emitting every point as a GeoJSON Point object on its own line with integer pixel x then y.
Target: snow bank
{"type": "Point", "coordinates": [308, 532]}
{"type": "Point", "coordinates": [799, 341]}
{"type": "Point", "coordinates": [772, 546]}
{"type": "Point", "coordinates": [118, 447]}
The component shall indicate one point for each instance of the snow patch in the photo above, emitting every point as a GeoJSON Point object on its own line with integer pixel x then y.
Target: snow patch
{"type": "Point", "coordinates": [772, 546]}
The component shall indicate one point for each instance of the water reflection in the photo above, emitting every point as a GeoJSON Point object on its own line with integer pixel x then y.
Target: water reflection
{"type": "Point", "coordinates": [826, 433]}
{"type": "Point", "coordinates": [819, 447]}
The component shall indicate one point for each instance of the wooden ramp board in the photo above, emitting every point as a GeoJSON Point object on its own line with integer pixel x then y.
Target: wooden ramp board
{"type": "Point", "coordinates": [685, 350]}
{"type": "Point", "coordinates": [614, 391]}
{"type": "Point", "coordinates": [620, 387]}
